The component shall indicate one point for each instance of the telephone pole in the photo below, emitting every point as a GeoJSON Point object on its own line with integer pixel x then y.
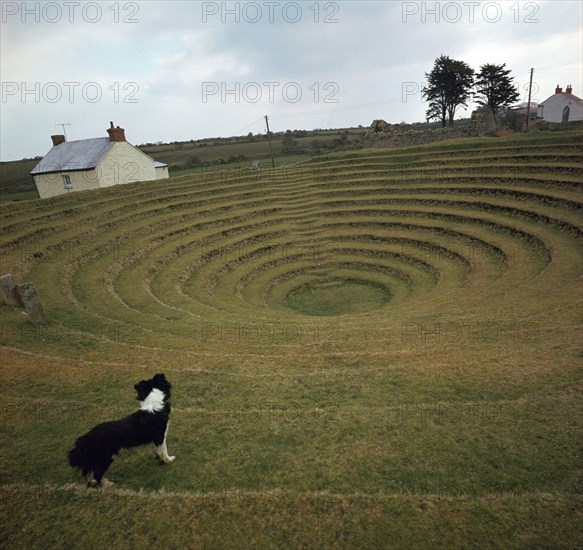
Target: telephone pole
{"type": "Point", "coordinates": [528, 106]}
{"type": "Point", "coordinates": [269, 139]}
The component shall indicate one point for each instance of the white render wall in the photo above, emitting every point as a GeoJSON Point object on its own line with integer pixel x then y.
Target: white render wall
{"type": "Point", "coordinates": [162, 172]}
{"type": "Point", "coordinates": [124, 163]}
{"type": "Point", "coordinates": [51, 185]}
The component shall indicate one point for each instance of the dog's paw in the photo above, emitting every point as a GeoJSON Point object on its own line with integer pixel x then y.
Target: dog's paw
{"type": "Point", "coordinates": [169, 459]}
{"type": "Point", "coordinates": [106, 483]}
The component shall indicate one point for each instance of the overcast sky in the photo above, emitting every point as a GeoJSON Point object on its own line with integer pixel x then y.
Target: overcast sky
{"type": "Point", "coordinates": [184, 70]}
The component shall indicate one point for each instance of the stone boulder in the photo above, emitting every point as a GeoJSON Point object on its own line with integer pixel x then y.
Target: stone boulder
{"type": "Point", "coordinates": [483, 121]}
{"type": "Point", "coordinates": [10, 292]}
{"type": "Point", "coordinates": [32, 303]}
{"type": "Point", "coordinates": [380, 126]}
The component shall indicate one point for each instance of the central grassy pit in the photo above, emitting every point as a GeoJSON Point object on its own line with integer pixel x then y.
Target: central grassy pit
{"type": "Point", "coordinates": [338, 297]}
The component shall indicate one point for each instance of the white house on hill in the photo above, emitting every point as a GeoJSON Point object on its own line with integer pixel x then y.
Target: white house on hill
{"type": "Point", "coordinates": [93, 163]}
{"type": "Point", "coordinates": [561, 107]}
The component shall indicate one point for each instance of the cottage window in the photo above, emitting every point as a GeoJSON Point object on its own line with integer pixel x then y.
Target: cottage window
{"type": "Point", "coordinates": [67, 182]}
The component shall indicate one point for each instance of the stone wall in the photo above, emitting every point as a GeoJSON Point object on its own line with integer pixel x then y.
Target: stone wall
{"type": "Point", "coordinates": [382, 134]}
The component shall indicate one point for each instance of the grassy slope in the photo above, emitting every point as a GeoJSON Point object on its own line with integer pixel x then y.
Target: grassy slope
{"type": "Point", "coordinates": [449, 417]}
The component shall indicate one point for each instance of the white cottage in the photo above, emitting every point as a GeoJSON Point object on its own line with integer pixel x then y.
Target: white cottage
{"type": "Point", "coordinates": [561, 107]}
{"type": "Point", "coordinates": [93, 163]}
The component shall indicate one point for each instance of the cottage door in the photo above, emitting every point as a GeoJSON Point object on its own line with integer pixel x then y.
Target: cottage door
{"type": "Point", "coordinates": [566, 111]}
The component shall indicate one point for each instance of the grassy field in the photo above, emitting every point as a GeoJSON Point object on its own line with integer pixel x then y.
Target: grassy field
{"type": "Point", "coordinates": [16, 183]}
{"type": "Point", "coordinates": [377, 349]}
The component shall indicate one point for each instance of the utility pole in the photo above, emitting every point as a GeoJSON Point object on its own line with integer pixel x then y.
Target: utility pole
{"type": "Point", "coordinates": [269, 139]}
{"type": "Point", "coordinates": [528, 106]}
{"type": "Point", "coordinates": [63, 124]}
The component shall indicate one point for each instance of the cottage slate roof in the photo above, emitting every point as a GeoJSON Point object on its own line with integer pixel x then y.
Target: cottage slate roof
{"type": "Point", "coordinates": [71, 156]}
{"type": "Point", "coordinates": [570, 97]}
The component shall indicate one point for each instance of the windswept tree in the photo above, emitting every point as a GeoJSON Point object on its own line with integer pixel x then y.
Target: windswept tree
{"type": "Point", "coordinates": [494, 87]}
{"type": "Point", "coordinates": [288, 142]}
{"type": "Point", "coordinates": [449, 85]}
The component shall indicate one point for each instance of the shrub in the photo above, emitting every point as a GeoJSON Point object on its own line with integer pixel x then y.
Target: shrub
{"type": "Point", "coordinates": [193, 160]}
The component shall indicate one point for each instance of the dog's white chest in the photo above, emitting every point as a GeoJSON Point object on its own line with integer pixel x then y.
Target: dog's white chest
{"type": "Point", "coordinates": [154, 402]}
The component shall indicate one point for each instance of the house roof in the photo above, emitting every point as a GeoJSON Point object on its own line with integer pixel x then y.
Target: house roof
{"type": "Point", "coordinates": [565, 95]}
{"type": "Point", "coordinates": [72, 156]}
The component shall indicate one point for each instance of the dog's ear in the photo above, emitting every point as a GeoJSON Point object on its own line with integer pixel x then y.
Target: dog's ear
{"type": "Point", "coordinates": [160, 377]}
{"type": "Point", "coordinates": [143, 389]}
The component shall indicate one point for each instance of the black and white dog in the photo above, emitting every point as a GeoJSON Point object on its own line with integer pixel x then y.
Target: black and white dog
{"type": "Point", "coordinates": [93, 452]}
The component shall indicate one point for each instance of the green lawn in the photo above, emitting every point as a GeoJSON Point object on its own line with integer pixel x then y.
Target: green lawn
{"type": "Point", "coordinates": [377, 348]}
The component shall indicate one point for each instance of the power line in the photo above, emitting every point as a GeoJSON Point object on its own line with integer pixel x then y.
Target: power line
{"type": "Point", "coordinates": [339, 109]}
{"type": "Point", "coordinates": [256, 121]}
{"type": "Point", "coordinates": [556, 65]}
{"type": "Point", "coordinates": [547, 68]}
{"type": "Point", "coordinates": [321, 111]}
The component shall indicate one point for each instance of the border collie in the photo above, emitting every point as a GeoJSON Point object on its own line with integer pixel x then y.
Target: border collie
{"type": "Point", "coordinates": [93, 452]}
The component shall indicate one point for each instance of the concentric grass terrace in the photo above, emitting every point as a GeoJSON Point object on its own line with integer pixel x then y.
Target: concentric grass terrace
{"type": "Point", "coordinates": [371, 349]}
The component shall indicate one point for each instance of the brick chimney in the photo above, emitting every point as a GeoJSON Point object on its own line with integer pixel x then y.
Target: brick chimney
{"type": "Point", "coordinates": [58, 139]}
{"type": "Point", "coordinates": [116, 133]}
{"type": "Point", "coordinates": [569, 89]}
{"type": "Point", "coordinates": [558, 90]}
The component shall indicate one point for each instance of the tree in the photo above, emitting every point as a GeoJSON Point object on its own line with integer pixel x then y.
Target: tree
{"type": "Point", "coordinates": [494, 88]}
{"type": "Point", "coordinates": [316, 146]}
{"type": "Point", "coordinates": [449, 85]}
{"type": "Point", "coordinates": [288, 142]}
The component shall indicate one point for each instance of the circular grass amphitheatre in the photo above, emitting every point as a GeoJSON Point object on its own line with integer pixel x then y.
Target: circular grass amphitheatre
{"type": "Point", "coordinates": [402, 235]}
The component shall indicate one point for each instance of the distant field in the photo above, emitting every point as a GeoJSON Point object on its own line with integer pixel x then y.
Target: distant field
{"type": "Point", "coordinates": [377, 347]}
{"type": "Point", "coordinates": [16, 183]}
